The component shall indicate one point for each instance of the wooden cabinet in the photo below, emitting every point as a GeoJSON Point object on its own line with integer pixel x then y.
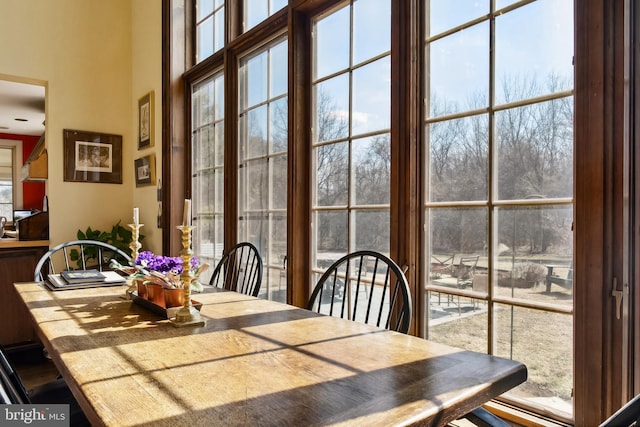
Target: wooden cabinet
{"type": "Point", "coordinates": [16, 265]}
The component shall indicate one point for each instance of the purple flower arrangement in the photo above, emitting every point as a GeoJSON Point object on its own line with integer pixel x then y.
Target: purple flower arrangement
{"type": "Point", "coordinates": [163, 270]}
{"type": "Point", "coordinates": [162, 264]}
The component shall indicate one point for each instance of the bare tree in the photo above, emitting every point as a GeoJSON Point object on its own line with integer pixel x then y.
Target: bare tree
{"type": "Point", "coordinates": [533, 156]}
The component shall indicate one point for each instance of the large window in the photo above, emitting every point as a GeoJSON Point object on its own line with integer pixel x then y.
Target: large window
{"type": "Point", "coordinates": [351, 131]}
{"type": "Point", "coordinates": [207, 164]}
{"type": "Point", "coordinates": [262, 162]}
{"type": "Point", "coordinates": [440, 133]}
{"type": "Point", "coordinates": [6, 182]}
{"type": "Point", "coordinates": [499, 135]}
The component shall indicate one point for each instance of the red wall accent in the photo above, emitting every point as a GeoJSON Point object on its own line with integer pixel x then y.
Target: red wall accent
{"type": "Point", "coordinates": [32, 192]}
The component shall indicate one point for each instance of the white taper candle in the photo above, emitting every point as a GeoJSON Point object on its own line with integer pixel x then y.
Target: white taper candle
{"type": "Point", "coordinates": [186, 219]}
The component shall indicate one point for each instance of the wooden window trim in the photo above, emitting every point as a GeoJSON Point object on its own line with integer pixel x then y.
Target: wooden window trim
{"type": "Point", "coordinates": [599, 112]}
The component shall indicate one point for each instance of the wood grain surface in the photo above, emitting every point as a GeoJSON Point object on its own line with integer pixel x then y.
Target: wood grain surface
{"type": "Point", "coordinates": [255, 363]}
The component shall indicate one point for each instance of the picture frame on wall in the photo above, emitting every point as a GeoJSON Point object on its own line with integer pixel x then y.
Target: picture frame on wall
{"type": "Point", "coordinates": [92, 157]}
{"type": "Point", "coordinates": [145, 170]}
{"type": "Point", "coordinates": [145, 121]}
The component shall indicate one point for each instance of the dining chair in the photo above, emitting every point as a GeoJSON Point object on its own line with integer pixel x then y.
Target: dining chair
{"type": "Point", "coordinates": [367, 287]}
{"type": "Point", "coordinates": [240, 270]}
{"type": "Point", "coordinates": [13, 391]}
{"type": "Point", "coordinates": [78, 255]}
{"type": "Point", "coordinates": [628, 415]}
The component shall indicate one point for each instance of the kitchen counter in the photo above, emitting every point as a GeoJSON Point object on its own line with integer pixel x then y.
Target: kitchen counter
{"type": "Point", "coordinates": [13, 242]}
{"type": "Point", "coordinates": [18, 259]}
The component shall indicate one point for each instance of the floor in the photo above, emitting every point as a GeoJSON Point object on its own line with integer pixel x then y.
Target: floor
{"type": "Point", "coordinates": [32, 365]}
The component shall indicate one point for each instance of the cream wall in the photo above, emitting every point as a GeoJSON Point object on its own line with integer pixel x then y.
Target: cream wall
{"type": "Point", "coordinates": [83, 52]}
{"type": "Point", "coordinates": [146, 71]}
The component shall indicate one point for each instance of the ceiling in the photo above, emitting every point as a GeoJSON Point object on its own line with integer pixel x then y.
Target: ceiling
{"type": "Point", "coordinates": [23, 102]}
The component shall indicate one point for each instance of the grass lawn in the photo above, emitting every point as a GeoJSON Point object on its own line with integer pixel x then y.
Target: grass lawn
{"type": "Point", "coordinates": [542, 340]}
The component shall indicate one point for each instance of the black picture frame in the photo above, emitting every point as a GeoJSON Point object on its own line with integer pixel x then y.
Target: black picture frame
{"type": "Point", "coordinates": [145, 121]}
{"type": "Point", "coordinates": [145, 170]}
{"type": "Point", "coordinates": [92, 157]}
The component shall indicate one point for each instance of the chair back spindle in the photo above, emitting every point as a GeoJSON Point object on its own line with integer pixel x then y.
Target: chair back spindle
{"type": "Point", "coordinates": [239, 270]}
{"type": "Point", "coordinates": [98, 253]}
{"type": "Point", "coordinates": [364, 286]}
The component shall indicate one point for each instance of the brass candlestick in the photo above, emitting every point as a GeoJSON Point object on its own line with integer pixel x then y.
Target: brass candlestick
{"type": "Point", "coordinates": [187, 315]}
{"type": "Point", "coordinates": [135, 246]}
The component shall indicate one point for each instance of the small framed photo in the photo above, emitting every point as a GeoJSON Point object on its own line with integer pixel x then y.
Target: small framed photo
{"type": "Point", "coordinates": [92, 157]}
{"type": "Point", "coordinates": [145, 121]}
{"type": "Point", "coordinates": [145, 170]}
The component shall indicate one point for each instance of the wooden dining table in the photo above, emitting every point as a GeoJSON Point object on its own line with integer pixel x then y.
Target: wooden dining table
{"type": "Point", "coordinates": [254, 363]}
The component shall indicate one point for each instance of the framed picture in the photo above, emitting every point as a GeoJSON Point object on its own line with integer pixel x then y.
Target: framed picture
{"type": "Point", "coordinates": [92, 157]}
{"type": "Point", "coordinates": [145, 121]}
{"type": "Point", "coordinates": [145, 170]}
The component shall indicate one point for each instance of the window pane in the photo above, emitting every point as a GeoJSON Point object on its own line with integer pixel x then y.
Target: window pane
{"type": "Point", "coordinates": [254, 79]}
{"type": "Point", "coordinates": [372, 231]}
{"type": "Point", "coordinates": [459, 320]}
{"type": "Point", "coordinates": [525, 335]}
{"type": "Point", "coordinates": [204, 39]}
{"type": "Point", "coordinates": [458, 76]}
{"type": "Point", "coordinates": [276, 279]}
{"type": "Point", "coordinates": [371, 170]}
{"type": "Point", "coordinates": [203, 8]}
{"type": "Point", "coordinates": [278, 69]}
{"type": "Point", "coordinates": [204, 149]}
{"type": "Point", "coordinates": [371, 97]}
{"type": "Point", "coordinates": [534, 50]}
{"type": "Point", "coordinates": [447, 14]}
{"type": "Point", "coordinates": [534, 254]}
{"type": "Point", "coordinates": [278, 168]}
{"type": "Point", "coordinates": [331, 50]}
{"type": "Point", "coordinates": [207, 242]}
{"type": "Point", "coordinates": [461, 233]}
{"type": "Point", "coordinates": [331, 236]}
{"type": "Point", "coordinates": [254, 126]}
{"type": "Point", "coordinates": [278, 125]}
{"type": "Point", "coordinates": [255, 229]}
{"type": "Point", "coordinates": [371, 29]}
{"type": "Point", "coordinates": [219, 143]}
{"type": "Point", "coordinates": [203, 104]}
{"type": "Point", "coordinates": [332, 109]}
{"type": "Point", "coordinates": [219, 98]}
{"type": "Point", "coordinates": [332, 162]}
{"type": "Point", "coordinates": [459, 159]}
{"type": "Point", "coordinates": [218, 41]}
{"type": "Point", "coordinates": [219, 191]}
{"type": "Point", "coordinates": [535, 150]}
{"type": "Point", "coordinates": [253, 180]}
{"type": "Point", "coordinates": [201, 189]}
{"type": "Point", "coordinates": [255, 11]}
